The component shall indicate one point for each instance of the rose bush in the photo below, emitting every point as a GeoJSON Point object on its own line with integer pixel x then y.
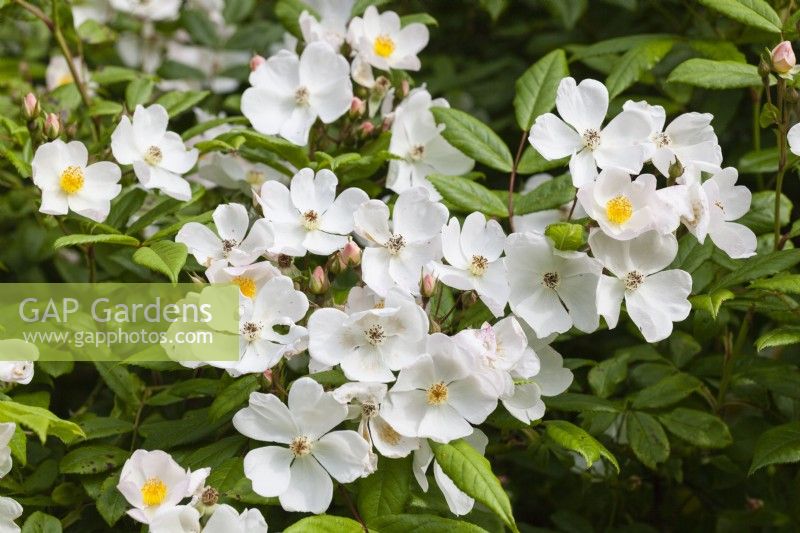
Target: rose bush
{"type": "Point", "coordinates": [502, 265]}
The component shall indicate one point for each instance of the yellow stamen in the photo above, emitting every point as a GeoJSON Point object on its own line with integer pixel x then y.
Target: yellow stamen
{"type": "Point", "coordinates": [437, 394]}
{"type": "Point", "coordinates": [619, 210]}
{"type": "Point", "coordinates": [64, 79]}
{"type": "Point", "coordinates": [247, 286]}
{"type": "Point", "coordinates": [384, 46]}
{"type": "Point", "coordinates": [71, 179]}
{"type": "Point", "coordinates": [154, 492]}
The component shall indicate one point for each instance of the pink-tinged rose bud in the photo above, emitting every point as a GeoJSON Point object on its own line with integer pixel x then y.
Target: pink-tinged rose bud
{"type": "Point", "coordinates": [52, 126]}
{"type": "Point", "coordinates": [318, 284]}
{"type": "Point", "coordinates": [428, 286]}
{"type": "Point", "coordinates": [783, 59]}
{"type": "Point", "coordinates": [30, 106]}
{"type": "Point", "coordinates": [357, 107]}
{"type": "Point", "coordinates": [366, 128]}
{"type": "Point", "coordinates": [256, 61]}
{"type": "Point", "coordinates": [351, 254]}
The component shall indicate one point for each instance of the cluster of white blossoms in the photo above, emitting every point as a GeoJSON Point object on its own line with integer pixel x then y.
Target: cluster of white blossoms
{"type": "Point", "coordinates": [406, 382]}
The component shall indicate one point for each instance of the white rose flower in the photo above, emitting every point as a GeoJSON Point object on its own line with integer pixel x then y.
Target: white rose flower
{"type": "Point", "coordinates": [308, 216]}
{"type": "Point", "coordinates": [152, 481]}
{"type": "Point", "coordinates": [10, 510]}
{"type": "Point", "coordinates": [16, 372]}
{"type": "Point", "coordinates": [177, 519]}
{"type": "Point", "coordinates": [473, 253]}
{"type": "Point", "coordinates": [365, 401]}
{"type": "Point", "coordinates": [331, 26]}
{"type": "Point", "coordinates": [438, 396]}
{"type": "Point", "coordinates": [384, 43]}
{"type": "Point", "coordinates": [289, 93]}
{"type": "Point", "coordinates": [369, 344]}
{"type": "Point", "coordinates": [395, 255]}
{"type": "Point", "coordinates": [654, 297]}
{"type": "Point", "coordinates": [60, 170]}
{"type": "Point", "coordinates": [299, 474]}
{"type": "Point", "coordinates": [158, 156]}
{"type": "Point", "coordinates": [551, 290]}
{"type": "Point", "coordinates": [689, 138]}
{"type": "Point", "coordinates": [234, 245]}
{"type": "Point", "coordinates": [58, 73]}
{"type": "Point", "coordinates": [416, 138]}
{"type": "Point", "coordinates": [580, 134]}
{"type": "Point", "coordinates": [250, 279]}
{"type": "Point", "coordinates": [625, 208]}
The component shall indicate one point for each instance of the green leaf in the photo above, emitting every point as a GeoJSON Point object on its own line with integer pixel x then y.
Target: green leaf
{"type": "Point", "coordinates": [288, 13]}
{"type": "Point", "coordinates": [635, 63]}
{"type": "Point", "coordinates": [607, 375]}
{"type": "Point", "coordinates": [420, 18]}
{"type": "Point", "coordinates": [536, 88]}
{"type": "Point", "coordinates": [296, 155]}
{"type": "Point", "coordinates": [758, 267]}
{"type": "Point", "coordinates": [780, 336]}
{"type": "Point", "coordinates": [74, 240]}
{"type": "Point", "coordinates": [138, 92]}
{"type": "Point", "coordinates": [667, 391]}
{"type": "Point", "coordinates": [532, 162]}
{"type": "Point", "coordinates": [761, 216]}
{"type": "Point", "coordinates": [385, 491]}
{"type": "Point", "coordinates": [237, 10]}
{"type": "Point", "coordinates": [573, 438]}
{"type": "Point", "coordinates": [40, 421]}
{"type": "Point", "coordinates": [421, 523]}
{"type": "Point", "coordinates": [111, 504]}
{"type": "Point", "coordinates": [128, 387]}
{"type": "Point", "coordinates": [98, 427]}
{"type": "Point", "coordinates": [158, 212]}
{"type": "Point", "coordinates": [93, 32]}
{"type": "Point", "coordinates": [110, 75]}
{"type": "Point", "coordinates": [754, 13]}
{"type": "Point", "coordinates": [777, 445]}
{"type": "Point", "coordinates": [710, 74]}
{"type": "Point", "coordinates": [124, 206]}
{"type": "Point", "coordinates": [92, 459]}
{"type": "Point", "coordinates": [473, 138]}
{"type": "Point", "coordinates": [176, 102]}
{"type": "Point", "coordinates": [711, 302]}
{"type": "Point", "coordinates": [325, 524]}
{"type": "Point", "coordinates": [172, 229]}
{"type": "Point", "coordinates": [101, 108]}
{"type": "Point", "coordinates": [647, 439]}
{"type": "Point", "coordinates": [568, 11]}
{"type": "Point", "coordinates": [471, 472]}
{"type": "Point", "coordinates": [696, 427]}
{"type": "Point", "coordinates": [233, 396]}
{"type": "Point", "coordinates": [551, 194]}
{"type": "Point", "coordinates": [785, 283]}
{"type": "Point", "coordinates": [468, 196]}
{"type": "Point", "coordinates": [39, 522]}
{"type": "Point", "coordinates": [166, 257]}
{"type": "Point", "coordinates": [566, 236]}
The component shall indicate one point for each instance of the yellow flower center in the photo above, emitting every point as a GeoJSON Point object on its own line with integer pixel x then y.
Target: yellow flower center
{"type": "Point", "coordinates": [153, 155]}
{"type": "Point", "coordinates": [300, 446]}
{"type": "Point", "coordinates": [247, 286]}
{"type": "Point", "coordinates": [384, 46]}
{"type": "Point", "coordinates": [437, 394]}
{"type": "Point", "coordinates": [64, 79]}
{"type": "Point", "coordinates": [154, 492]}
{"type": "Point", "coordinates": [71, 179]}
{"type": "Point", "coordinates": [619, 210]}
{"type": "Point", "coordinates": [254, 177]}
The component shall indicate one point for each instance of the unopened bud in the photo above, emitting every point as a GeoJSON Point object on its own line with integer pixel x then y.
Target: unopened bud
{"type": "Point", "coordinates": [366, 128]}
{"type": "Point", "coordinates": [52, 126]}
{"type": "Point", "coordinates": [210, 496]}
{"type": "Point", "coordinates": [428, 286]}
{"type": "Point", "coordinates": [318, 284]}
{"type": "Point", "coordinates": [783, 59]}
{"type": "Point", "coordinates": [357, 107]}
{"type": "Point", "coordinates": [763, 68]}
{"type": "Point", "coordinates": [256, 61]}
{"type": "Point", "coordinates": [676, 170]}
{"type": "Point", "coordinates": [351, 254]}
{"type": "Point", "coordinates": [267, 377]}
{"type": "Point", "coordinates": [404, 88]}
{"type": "Point", "coordinates": [30, 106]}
{"type": "Point", "coordinates": [382, 85]}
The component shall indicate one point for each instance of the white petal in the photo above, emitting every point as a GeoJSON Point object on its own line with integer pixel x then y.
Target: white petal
{"type": "Point", "coordinates": [343, 454]}
{"type": "Point", "coordinates": [266, 419]}
{"type": "Point", "coordinates": [583, 168]}
{"type": "Point", "coordinates": [231, 221]}
{"type": "Point", "coordinates": [310, 488]}
{"type": "Point", "coordinates": [268, 469]}
{"type": "Point", "coordinates": [553, 138]}
{"type": "Point", "coordinates": [339, 217]}
{"type": "Point", "coordinates": [584, 105]}
{"type": "Point", "coordinates": [734, 239]}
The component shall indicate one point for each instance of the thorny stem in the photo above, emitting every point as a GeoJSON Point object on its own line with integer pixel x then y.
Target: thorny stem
{"type": "Point", "coordinates": [513, 178]}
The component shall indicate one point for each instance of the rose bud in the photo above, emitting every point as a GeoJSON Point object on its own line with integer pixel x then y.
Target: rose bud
{"type": "Point", "coordinates": [783, 59]}
{"type": "Point", "coordinates": [351, 254]}
{"type": "Point", "coordinates": [30, 106]}
{"type": "Point", "coordinates": [357, 107]}
{"type": "Point", "coordinates": [428, 286]}
{"type": "Point", "coordinates": [366, 128]}
{"type": "Point", "coordinates": [256, 61]}
{"type": "Point", "coordinates": [52, 126]}
{"type": "Point", "coordinates": [318, 284]}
